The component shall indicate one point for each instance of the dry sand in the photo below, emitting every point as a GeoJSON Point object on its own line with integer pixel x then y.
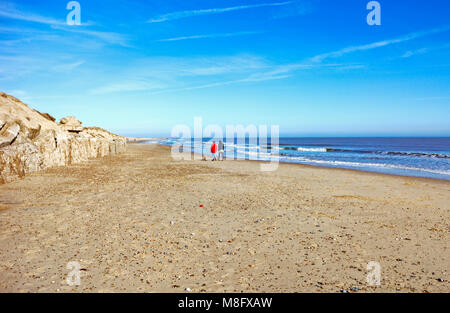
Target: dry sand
{"type": "Point", "coordinates": [135, 223]}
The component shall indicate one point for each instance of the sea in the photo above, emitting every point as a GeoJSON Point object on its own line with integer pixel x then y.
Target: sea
{"type": "Point", "coordinates": [408, 156]}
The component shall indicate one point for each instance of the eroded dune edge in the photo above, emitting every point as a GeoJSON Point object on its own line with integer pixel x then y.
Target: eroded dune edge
{"type": "Point", "coordinates": [31, 141]}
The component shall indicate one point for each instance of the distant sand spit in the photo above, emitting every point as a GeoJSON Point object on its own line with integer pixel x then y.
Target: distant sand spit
{"type": "Point", "coordinates": [141, 140]}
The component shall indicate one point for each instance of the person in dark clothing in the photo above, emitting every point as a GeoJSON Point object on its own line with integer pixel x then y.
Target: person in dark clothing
{"type": "Point", "coordinates": [221, 149]}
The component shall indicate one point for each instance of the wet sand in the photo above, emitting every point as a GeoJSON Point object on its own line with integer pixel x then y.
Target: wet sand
{"type": "Point", "coordinates": [142, 222]}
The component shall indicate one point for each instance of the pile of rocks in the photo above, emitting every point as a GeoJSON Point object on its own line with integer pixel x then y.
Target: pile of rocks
{"type": "Point", "coordinates": [31, 141]}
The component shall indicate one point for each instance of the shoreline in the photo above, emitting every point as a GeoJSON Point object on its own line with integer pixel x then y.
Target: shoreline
{"type": "Point", "coordinates": [326, 167]}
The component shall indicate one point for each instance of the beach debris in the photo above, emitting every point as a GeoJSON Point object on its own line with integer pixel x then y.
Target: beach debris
{"type": "Point", "coordinates": [356, 288]}
{"type": "Point", "coordinates": [201, 205]}
{"type": "Point", "coordinates": [440, 280]}
{"type": "Point", "coordinates": [344, 291]}
{"type": "Point", "coordinates": [188, 289]}
{"type": "Point", "coordinates": [172, 222]}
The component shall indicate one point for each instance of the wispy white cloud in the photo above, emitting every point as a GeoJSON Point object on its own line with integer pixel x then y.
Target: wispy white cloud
{"type": "Point", "coordinates": [282, 71]}
{"type": "Point", "coordinates": [17, 66]}
{"type": "Point", "coordinates": [251, 78]}
{"type": "Point", "coordinates": [163, 75]}
{"type": "Point", "coordinates": [410, 53]}
{"type": "Point", "coordinates": [210, 36]}
{"type": "Point", "coordinates": [378, 44]}
{"type": "Point", "coordinates": [19, 30]}
{"type": "Point", "coordinates": [276, 73]}
{"type": "Point", "coordinates": [67, 67]}
{"type": "Point", "coordinates": [126, 86]}
{"type": "Point", "coordinates": [18, 41]}
{"type": "Point", "coordinates": [25, 35]}
{"type": "Point", "coordinates": [170, 68]}
{"type": "Point", "coordinates": [296, 8]}
{"type": "Point", "coordinates": [185, 14]}
{"type": "Point", "coordinates": [91, 39]}
{"type": "Point", "coordinates": [425, 50]}
{"type": "Point", "coordinates": [168, 75]}
{"type": "Point", "coordinates": [266, 72]}
{"type": "Point", "coordinates": [7, 10]}
{"type": "Point", "coordinates": [108, 37]}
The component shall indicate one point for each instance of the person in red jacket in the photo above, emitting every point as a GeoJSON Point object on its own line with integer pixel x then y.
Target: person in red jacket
{"type": "Point", "coordinates": [214, 150]}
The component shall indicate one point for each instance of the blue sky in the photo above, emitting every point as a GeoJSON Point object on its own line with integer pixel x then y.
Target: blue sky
{"type": "Point", "coordinates": [314, 67]}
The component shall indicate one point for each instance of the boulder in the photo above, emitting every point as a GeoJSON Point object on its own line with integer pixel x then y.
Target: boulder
{"type": "Point", "coordinates": [71, 124]}
{"type": "Point", "coordinates": [8, 133]}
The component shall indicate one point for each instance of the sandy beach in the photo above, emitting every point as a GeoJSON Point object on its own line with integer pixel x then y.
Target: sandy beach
{"type": "Point", "coordinates": [142, 222]}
